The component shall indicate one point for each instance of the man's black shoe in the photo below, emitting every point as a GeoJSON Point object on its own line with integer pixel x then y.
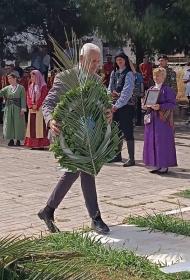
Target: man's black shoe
{"type": "Point", "coordinates": [117, 158]}
{"type": "Point", "coordinates": [49, 221]}
{"type": "Point", "coordinates": [129, 163]}
{"type": "Point", "coordinates": [99, 226]}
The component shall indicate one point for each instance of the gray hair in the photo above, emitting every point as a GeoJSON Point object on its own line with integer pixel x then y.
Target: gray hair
{"type": "Point", "coordinates": [86, 48]}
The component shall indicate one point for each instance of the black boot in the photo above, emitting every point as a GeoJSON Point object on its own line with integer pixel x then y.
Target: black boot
{"type": "Point", "coordinates": [118, 157]}
{"type": "Point", "coordinates": [11, 143]}
{"type": "Point", "coordinates": [99, 226]}
{"type": "Point", "coordinates": [131, 152]}
{"type": "Point", "coordinates": [48, 217]}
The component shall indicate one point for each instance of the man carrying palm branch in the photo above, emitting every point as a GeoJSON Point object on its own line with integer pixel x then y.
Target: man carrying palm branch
{"type": "Point", "coordinates": [88, 64]}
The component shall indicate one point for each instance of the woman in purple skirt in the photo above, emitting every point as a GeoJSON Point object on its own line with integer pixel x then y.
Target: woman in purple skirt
{"type": "Point", "coordinates": [159, 144]}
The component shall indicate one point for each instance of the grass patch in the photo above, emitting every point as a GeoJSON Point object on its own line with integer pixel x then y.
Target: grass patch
{"type": "Point", "coordinates": [105, 263]}
{"type": "Point", "coordinates": [161, 222]}
{"type": "Point", "coordinates": [126, 206]}
{"type": "Point", "coordinates": [185, 194]}
{"type": "Point", "coordinates": [173, 202]}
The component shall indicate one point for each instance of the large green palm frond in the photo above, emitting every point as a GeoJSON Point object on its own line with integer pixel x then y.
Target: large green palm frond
{"type": "Point", "coordinates": [24, 259]}
{"type": "Point", "coordinates": [87, 140]}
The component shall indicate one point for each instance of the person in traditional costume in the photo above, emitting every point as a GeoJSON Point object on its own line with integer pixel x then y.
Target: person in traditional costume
{"type": "Point", "coordinates": [121, 86]}
{"type": "Point", "coordinates": [146, 71]}
{"type": "Point", "coordinates": [25, 79]}
{"type": "Point", "coordinates": [14, 120]}
{"type": "Point", "coordinates": [30, 69]}
{"type": "Point", "coordinates": [107, 69]}
{"type": "Point", "coordinates": [36, 134]}
{"type": "Point", "coordinates": [4, 83]}
{"type": "Point", "coordinates": [159, 144]}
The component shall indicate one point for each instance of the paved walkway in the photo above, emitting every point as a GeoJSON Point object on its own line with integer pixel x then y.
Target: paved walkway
{"type": "Point", "coordinates": [28, 177]}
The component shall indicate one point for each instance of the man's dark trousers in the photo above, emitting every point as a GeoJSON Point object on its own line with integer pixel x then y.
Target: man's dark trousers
{"type": "Point", "coordinates": [88, 188]}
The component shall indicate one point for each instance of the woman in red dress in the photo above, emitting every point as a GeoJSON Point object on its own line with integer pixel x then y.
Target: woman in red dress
{"type": "Point", "coordinates": [36, 134]}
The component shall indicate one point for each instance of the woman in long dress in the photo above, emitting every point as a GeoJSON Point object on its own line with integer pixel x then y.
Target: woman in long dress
{"type": "Point", "coordinates": [159, 143]}
{"type": "Point", "coordinates": [36, 134]}
{"type": "Point", "coordinates": [14, 118]}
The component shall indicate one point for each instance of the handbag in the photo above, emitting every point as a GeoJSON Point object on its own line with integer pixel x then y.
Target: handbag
{"type": "Point", "coordinates": [147, 118]}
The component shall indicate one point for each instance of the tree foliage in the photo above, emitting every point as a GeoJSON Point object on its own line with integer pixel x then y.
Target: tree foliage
{"type": "Point", "coordinates": [150, 25]}
{"type": "Point", "coordinates": [15, 17]}
{"type": "Point", "coordinates": [54, 16]}
{"type": "Point", "coordinates": [40, 17]}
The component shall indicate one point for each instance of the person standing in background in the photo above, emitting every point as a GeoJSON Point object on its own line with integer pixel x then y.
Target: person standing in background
{"type": "Point", "coordinates": [5, 82]}
{"type": "Point", "coordinates": [107, 69]}
{"type": "Point", "coordinates": [8, 69]}
{"type": "Point", "coordinates": [2, 69]}
{"type": "Point", "coordinates": [24, 81]}
{"type": "Point", "coordinates": [37, 59]}
{"type": "Point", "coordinates": [159, 144]}
{"type": "Point", "coordinates": [186, 80]}
{"type": "Point", "coordinates": [121, 87]}
{"type": "Point", "coordinates": [51, 79]}
{"type": "Point", "coordinates": [46, 62]}
{"type": "Point", "coordinates": [139, 91]}
{"type": "Point", "coordinates": [146, 71]}
{"type": "Point", "coordinates": [69, 50]}
{"type": "Point", "coordinates": [18, 68]}
{"type": "Point", "coordinates": [36, 133]}
{"type": "Point", "coordinates": [170, 73]}
{"type": "Point", "coordinates": [14, 119]}
{"type": "Point", "coordinates": [1, 101]}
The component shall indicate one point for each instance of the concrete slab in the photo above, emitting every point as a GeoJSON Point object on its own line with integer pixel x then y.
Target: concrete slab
{"type": "Point", "coordinates": [177, 211]}
{"type": "Point", "coordinates": [164, 249]}
{"type": "Point", "coordinates": [179, 267]}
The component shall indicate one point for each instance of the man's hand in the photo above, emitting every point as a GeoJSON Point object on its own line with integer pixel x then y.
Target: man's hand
{"type": "Point", "coordinates": [55, 127]}
{"type": "Point", "coordinates": [109, 115]}
{"type": "Point", "coordinates": [156, 107]}
{"type": "Point", "coordinates": [34, 107]}
{"type": "Point", "coordinates": [114, 109]}
{"type": "Point", "coordinates": [115, 94]}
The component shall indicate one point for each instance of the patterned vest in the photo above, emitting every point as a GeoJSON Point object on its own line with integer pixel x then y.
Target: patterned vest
{"type": "Point", "coordinates": [119, 81]}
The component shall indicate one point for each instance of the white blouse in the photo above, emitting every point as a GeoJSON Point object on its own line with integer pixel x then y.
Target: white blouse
{"type": "Point", "coordinates": [158, 86]}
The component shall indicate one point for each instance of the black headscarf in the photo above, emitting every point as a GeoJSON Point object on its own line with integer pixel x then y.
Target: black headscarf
{"type": "Point", "coordinates": [121, 54]}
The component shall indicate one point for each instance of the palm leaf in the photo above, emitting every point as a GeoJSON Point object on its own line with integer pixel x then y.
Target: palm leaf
{"type": "Point", "coordinates": [23, 259]}
{"type": "Point", "coordinates": [86, 141]}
